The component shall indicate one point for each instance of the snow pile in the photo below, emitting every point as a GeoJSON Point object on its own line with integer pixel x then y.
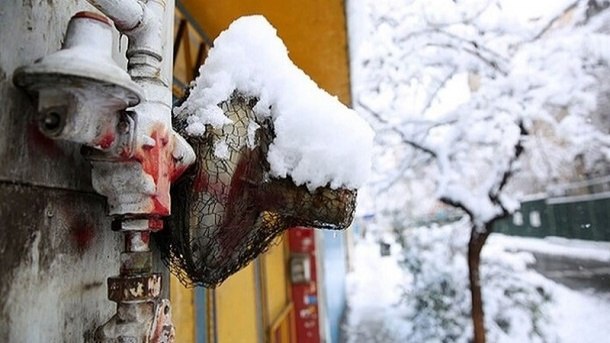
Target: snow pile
{"type": "Point", "coordinates": [581, 317]}
{"type": "Point", "coordinates": [318, 140]}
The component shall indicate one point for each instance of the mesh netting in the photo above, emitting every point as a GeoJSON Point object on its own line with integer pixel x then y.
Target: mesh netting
{"type": "Point", "coordinates": [226, 211]}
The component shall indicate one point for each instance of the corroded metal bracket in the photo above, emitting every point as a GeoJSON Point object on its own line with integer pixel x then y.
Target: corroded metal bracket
{"type": "Point", "coordinates": [141, 317]}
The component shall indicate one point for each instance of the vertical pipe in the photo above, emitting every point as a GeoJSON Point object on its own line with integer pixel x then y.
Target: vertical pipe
{"type": "Point", "coordinates": [201, 317]}
{"type": "Point", "coordinates": [167, 67]}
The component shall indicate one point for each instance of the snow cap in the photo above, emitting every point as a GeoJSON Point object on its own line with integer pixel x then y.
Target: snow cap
{"type": "Point", "coordinates": [319, 141]}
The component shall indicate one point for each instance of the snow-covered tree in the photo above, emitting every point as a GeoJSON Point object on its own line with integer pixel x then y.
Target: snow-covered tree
{"type": "Point", "coordinates": [436, 302]}
{"type": "Point", "coordinates": [464, 95]}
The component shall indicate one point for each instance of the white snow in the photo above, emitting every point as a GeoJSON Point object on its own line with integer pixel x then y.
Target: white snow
{"type": "Point", "coordinates": [374, 289]}
{"type": "Point", "coordinates": [378, 289]}
{"type": "Point", "coordinates": [580, 317]}
{"type": "Point", "coordinates": [599, 251]}
{"type": "Point", "coordinates": [449, 86]}
{"type": "Point", "coordinates": [318, 141]}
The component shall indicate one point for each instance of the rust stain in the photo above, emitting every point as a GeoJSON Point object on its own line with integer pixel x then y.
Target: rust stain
{"type": "Point", "coordinates": [82, 234]}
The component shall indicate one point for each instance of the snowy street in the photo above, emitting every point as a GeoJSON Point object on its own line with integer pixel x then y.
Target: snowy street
{"type": "Point", "coordinates": [575, 273]}
{"type": "Point", "coordinates": [374, 289]}
{"type": "Point", "coordinates": [577, 264]}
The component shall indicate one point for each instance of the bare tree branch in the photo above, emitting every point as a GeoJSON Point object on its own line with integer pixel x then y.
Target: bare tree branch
{"type": "Point", "coordinates": [554, 20]}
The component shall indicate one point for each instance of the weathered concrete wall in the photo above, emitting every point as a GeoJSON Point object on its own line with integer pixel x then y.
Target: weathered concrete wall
{"type": "Point", "coordinates": [56, 247]}
{"type": "Point", "coordinates": [56, 252]}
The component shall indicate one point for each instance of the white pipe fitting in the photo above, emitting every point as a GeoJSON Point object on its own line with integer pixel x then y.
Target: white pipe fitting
{"type": "Point", "coordinates": [81, 90]}
{"type": "Point", "coordinates": [139, 186]}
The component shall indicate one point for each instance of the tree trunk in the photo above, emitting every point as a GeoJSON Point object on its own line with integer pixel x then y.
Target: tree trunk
{"type": "Point", "coordinates": [475, 245]}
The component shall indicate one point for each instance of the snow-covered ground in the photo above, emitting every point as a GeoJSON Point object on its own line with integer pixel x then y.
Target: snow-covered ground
{"type": "Point", "coordinates": [577, 316]}
{"type": "Point", "coordinates": [575, 248]}
{"type": "Point", "coordinates": [374, 290]}
{"type": "Point", "coordinates": [376, 286]}
{"type": "Point", "coordinates": [581, 316]}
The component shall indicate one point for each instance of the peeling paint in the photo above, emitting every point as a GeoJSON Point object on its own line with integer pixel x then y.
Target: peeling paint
{"type": "Point", "coordinates": [51, 292]}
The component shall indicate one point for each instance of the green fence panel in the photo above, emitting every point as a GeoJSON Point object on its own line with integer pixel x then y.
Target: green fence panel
{"type": "Point", "coordinates": [582, 219]}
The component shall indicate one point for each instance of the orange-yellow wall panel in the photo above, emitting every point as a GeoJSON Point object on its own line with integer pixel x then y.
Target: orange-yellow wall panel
{"type": "Point", "coordinates": [236, 308]}
{"type": "Point", "coordinates": [314, 32]}
{"type": "Point", "coordinates": [276, 280]}
{"type": "Point", "coordinates": [183, 313]}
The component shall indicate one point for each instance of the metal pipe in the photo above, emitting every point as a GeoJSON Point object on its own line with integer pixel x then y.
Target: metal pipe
{"type": "Point", "coordinates": [126, 14]}
{"type": "Point", "coordinates": [160, 155]}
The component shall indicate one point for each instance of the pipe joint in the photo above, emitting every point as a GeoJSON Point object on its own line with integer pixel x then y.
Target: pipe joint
{"type": "Point", "coordinates": [146, 39]}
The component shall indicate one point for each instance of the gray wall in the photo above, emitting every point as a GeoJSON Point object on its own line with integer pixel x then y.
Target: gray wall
{"type": "Point", "coordinates": [56, 247]}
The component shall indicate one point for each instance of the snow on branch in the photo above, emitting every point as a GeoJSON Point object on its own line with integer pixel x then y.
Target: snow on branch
{"type": "Point", "coordinates": [464, 84]}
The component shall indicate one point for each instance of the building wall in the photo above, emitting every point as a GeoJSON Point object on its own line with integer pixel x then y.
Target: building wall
{"type": "Point", "coordinates": [276, 294]}
{"type": "Point", "coordinates": [237, 314]}
{"type": "Point", "coordinates": [56, 246]}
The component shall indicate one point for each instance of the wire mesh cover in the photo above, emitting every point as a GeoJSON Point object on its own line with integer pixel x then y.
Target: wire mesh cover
{"type": "Point", "coordinates": [226, 211]}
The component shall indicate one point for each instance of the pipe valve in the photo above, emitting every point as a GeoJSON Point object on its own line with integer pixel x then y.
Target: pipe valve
{"type": "Point", "coordinates": [81, 91]}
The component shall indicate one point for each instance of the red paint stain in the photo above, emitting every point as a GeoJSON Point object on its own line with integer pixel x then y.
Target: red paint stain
{"type": "Point", "coordinates": [157, 161]}
{"type": "Point", "coordinates": [238, 219]}
{"type": "Point", "coordinates": [217, 190]}
{"type": "Point", "coordinates": [201, 182]}
{"type": "Point", "coordinates": [40, 142]}
{"type": "Point", "coordinates": [155, 224]}
{"type": "Point", "coordinates": [106, 140]}
{"type": "Point", "coordinates": [82, 235]}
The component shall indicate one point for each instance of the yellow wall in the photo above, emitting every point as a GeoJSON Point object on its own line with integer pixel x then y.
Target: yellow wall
{"type": "Point", "coordinates": [275, 280]}
{"type": "Point", "coordinates": [236, 314]}
{"type": "Point", "coordinates": [314, 32]}
{"type": "Point", "coordinates": [183, 313]}
{"type": "Point", "coordinates": [276, 291]}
